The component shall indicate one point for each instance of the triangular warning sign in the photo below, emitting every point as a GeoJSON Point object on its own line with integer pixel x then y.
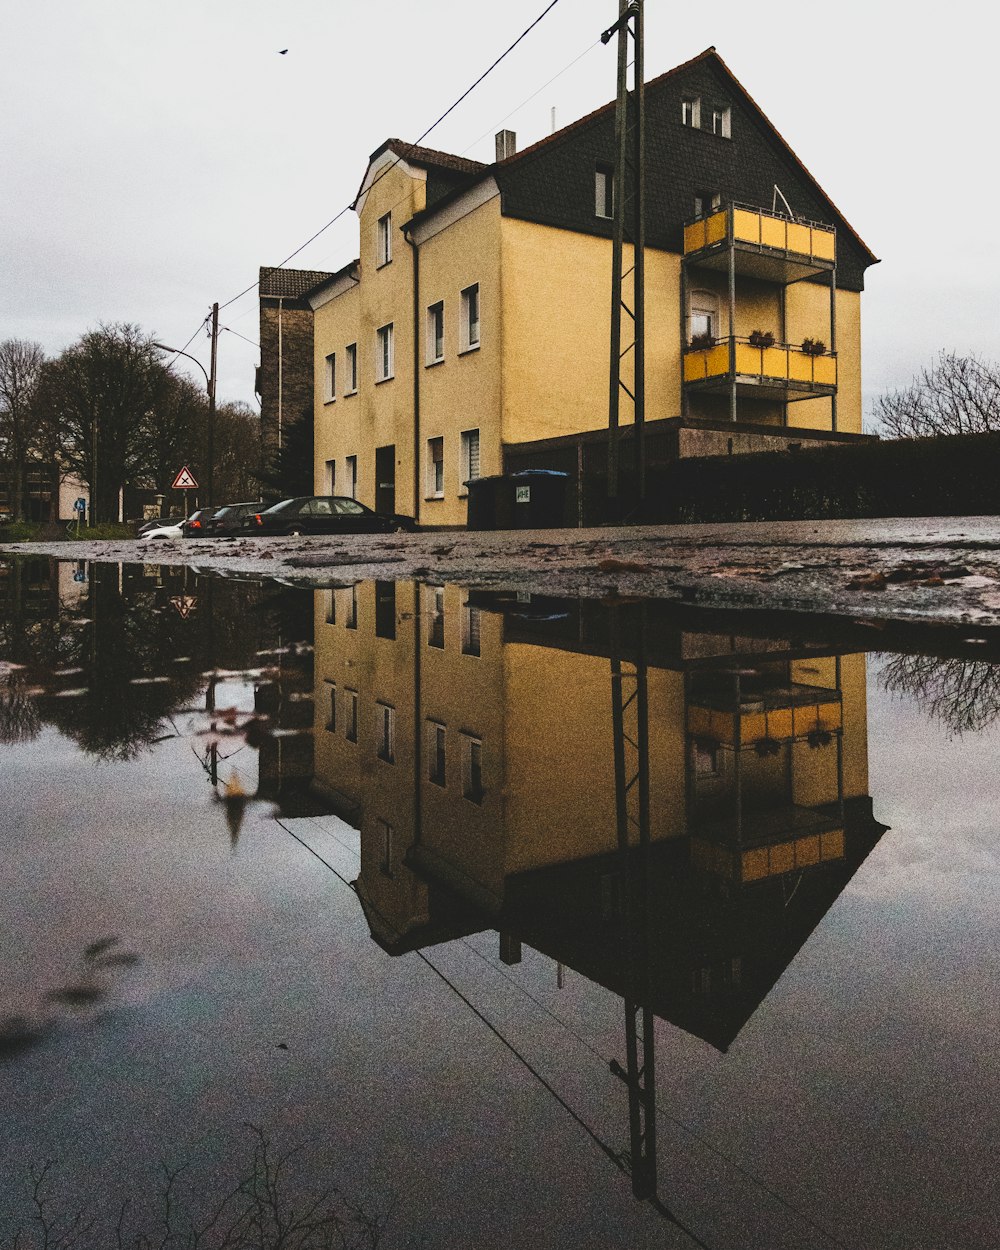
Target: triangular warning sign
{"type": "Point", "coordinates": [185, 480]}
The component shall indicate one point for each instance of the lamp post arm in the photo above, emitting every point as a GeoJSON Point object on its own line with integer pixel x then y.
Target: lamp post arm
{"type": "Point", "coordinates": [176, 351]}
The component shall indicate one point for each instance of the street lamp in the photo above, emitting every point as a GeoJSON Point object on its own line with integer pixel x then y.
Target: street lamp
{"type": "Point", "coordinates": [210, 386]}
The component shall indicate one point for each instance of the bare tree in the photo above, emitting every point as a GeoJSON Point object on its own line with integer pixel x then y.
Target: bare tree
{"type": "Point", "coordinates": [237, 453]}
{"type": "Point", "coordinates": [964, 694]}
{"type": "Point", "coordinates": [20, 366]}
{"type": "Point", "coordinates": [954, 395]}
{"type": "Point", "coordinates": [98, 393]}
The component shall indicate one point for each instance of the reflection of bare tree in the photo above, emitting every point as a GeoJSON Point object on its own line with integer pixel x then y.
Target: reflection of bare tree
{"type": "Point", "coordinates": [19, 718]}
{"type": "Point", "coordinates": [964, 694]}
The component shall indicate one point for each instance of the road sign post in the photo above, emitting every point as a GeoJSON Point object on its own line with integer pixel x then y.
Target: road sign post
{"type": "Point", "coordinates": [185, 481]}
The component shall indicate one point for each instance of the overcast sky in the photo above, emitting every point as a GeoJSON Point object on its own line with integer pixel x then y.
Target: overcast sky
{"type": "Point", "coordinates": [153, 156]}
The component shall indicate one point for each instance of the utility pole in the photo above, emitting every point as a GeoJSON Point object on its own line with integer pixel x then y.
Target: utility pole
{"type": "Point", "coordinates": [211, 404]}
{"type": "Point", "coordinates": [628, 193]}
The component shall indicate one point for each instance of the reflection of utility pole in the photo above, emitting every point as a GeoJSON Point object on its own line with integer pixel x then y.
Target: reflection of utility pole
{"type": "Point", "coordinates": [628, 209]}
{"type": "Point", "coordinates": [630, 722]}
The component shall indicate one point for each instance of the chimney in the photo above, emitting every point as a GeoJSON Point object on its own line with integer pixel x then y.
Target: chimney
{"type": "Point", "coordinates": [506, 144]}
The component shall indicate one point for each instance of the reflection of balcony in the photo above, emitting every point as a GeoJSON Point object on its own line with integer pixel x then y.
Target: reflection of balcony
{"type": "Point", "coordinates": [768, 844]}
{"type": "Point", "coordinates": [765, 245]}
{"type": "Point", "coordinates": [779, 715]}
{"type": "Point", "coordinates": [780, 372]}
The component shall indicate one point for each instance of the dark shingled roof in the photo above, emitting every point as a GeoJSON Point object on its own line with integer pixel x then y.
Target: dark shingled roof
{"type": "Point", "coordinates": [289, 283]}
{"type": "Point", "coordinates": [429, 157]}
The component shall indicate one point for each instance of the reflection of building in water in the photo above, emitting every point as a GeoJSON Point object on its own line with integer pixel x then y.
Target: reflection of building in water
{"type": "Point", "coordinates": [474, 749]}
{"type": "Point", "coordinates": [670, 813]}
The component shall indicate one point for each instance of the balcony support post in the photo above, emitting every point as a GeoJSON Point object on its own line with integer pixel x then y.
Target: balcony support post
{"type": "Point", "coordinates": [783, 330]}
{"type": "Point", "coordinates": [732, 315]}
{"type": "Point", "coordinates": [833, 341]}
{"type": "Point", "coordinates": [685, 404]}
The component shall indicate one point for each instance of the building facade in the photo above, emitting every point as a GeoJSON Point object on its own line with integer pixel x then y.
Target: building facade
{"type": "Point", "coordinates": [471, 334]}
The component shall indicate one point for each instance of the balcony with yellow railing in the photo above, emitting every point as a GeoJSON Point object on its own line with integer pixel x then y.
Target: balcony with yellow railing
{"type": "Point", "coordinates": [780, 371]}
{"type": "Point", "coordinates": [765, 245]}
{"type": "Point", "coordinates": [780, 715]}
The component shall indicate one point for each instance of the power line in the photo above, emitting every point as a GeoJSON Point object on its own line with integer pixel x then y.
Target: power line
{"type": "Point", "coordinates": [420, 138]}
{"type": "Point", "coordinates": [230, 330]}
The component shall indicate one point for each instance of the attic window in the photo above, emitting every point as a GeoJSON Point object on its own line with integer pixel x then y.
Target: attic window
{"type": "Point", "coordinates": [604, 191]}
{"type": "Point", "coordinates": [721, 122]}
{"type": "Point", "coordinates": [691, 111]}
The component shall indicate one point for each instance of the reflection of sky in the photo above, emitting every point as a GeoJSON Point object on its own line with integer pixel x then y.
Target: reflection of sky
{"type": "Point", "coordinates": [863, 1091]}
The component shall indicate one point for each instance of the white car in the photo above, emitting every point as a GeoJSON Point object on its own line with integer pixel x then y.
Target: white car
{"type": "Point", "coordinates": [173, 530]}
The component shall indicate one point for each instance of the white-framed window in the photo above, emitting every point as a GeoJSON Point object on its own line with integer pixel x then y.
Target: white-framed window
{"type": "Point", "coordinates": [436, 761]}
{"type": "Point", "coordinates": [331, 718]}
{"type": "Point", "coordinates": [604, 191]}
{"type": "Point", "coordinates": [703, 314]}
{"type": "Point", "coordinates": [351, 473]}
{"type": "Point", "coordinates": [721, 121]}
{"type": "Point", "coordinates": [435, 333]}
{"type": "Point", "coordinates": [472, 769]}
{"type": "Point", "coordinates": [351, 717]}
{"type": "Point", "coordinates": [351, 619]}
{"type": "Point", "coordinates": [383, 243]}
{"type": "Point", "coordinates": [384, 832]}
{"type": "Point", "coordinates": [385, 732]}
{"type": "Point", "coordinates": [707, 202]}
{"type": "Point", "coordinates": [383, 353]}
{"type": "Point", "coordinates": [331, 477]}
{"type": "Point", "coordinates": [435, 631]}
{"type": "Point", "coordinates": [435, 468]}
{"type": "Point", "coordinates": [330, 379]}
{"type": "Point", "coordinates": [331, 607]}
{"type": "Point", "coordinates": [691, 111]}
{"type": "Point", "coordinates": [470, 629]}
{"type": "Point", "coordinates": [468, 468]}
{"type": "Point", "coordinates": [351, 360]}
{"type": "Point", "coordinates": [470, 318]}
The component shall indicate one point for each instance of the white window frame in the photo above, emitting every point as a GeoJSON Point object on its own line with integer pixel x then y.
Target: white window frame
{"type": "Point", "coordinates": [351, 619]}
{"type": "Point", "coordinates": [691, 112]}
{"type": "Point", "coordinates": [470, 745]}
{"type": "Point", "coordinates": [331, 606]}
{"type": "Point", "coordinates": [351, 722]}
{"type": "Point", "coordinates": [383, 241]}
{"type": "Point", "coordinates": [351, 352]}
{"type": "Point", "coordinates": [384, 353]}
{"type": "Point", "coordinates": [471, 298]}
{"type": "Point", "coordinates": [722, 121]}
{"type": "Point", "coordinates": [703, 303]}
{"type": "Point", "coordinates": [330, 379]}
{"type": "Point", "coordinates": [437, 613]}
{"type": "Point", "coordinates": [472, 623]}
{"type": "Point", "coordinates": [437, 747]}
{"type": "Point", "coordinates": [331, 477]}
{"type": "Point", "coordinates": [331, 722]}
{"type": "Point", "coordinates": [465, 473]}
{"type": "Point", "coordinates": [351, 468]}
{"type": "Point", "coordinates": [435, 475]}
{"type": "Point", "coordinates": [385, 732]}
{"type": "Point", "coordinates": [604, 193]}
{"type": "Point", "coordinates": [435, 322]}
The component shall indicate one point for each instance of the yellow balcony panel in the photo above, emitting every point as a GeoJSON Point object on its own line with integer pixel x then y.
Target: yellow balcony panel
{"type": "Point", "coordinates": [781, 372]}
{"type": "Point", "coordinates": [765, 244]}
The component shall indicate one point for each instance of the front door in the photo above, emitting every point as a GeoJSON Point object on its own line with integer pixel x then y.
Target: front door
{"type": "Point", "coordinates": [385, 479]}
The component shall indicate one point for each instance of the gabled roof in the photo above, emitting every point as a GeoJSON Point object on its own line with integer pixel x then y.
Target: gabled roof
{"type": "Point", "coordinates": [278, 283]}
{"type": "Point", "coordinates": [350, 270]}
{"type": "Point", "coordinates": [550, 142]}
{"type": "Point", "coordinates": [423, 158]}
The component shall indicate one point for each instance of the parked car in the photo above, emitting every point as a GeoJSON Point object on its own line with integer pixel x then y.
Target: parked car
{"type": "Point", "coordinates": [328, 514]}
{"type": "Point", "coordinates": [6, 516]}
{"type": "Point", "coordinates": [232, 519]}
{"type": "Point", "coordinates": [194, 526]}
{"type": "Point", "coordinates": [162, 529]}
{"type": "Point", "coordinates": [157, 522]}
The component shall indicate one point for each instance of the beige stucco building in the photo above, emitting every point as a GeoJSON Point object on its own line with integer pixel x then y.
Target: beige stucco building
{"type": "Point", "coordinates": [471, 334]}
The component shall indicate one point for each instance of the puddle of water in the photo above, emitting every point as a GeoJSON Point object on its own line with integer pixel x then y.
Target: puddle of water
{"type": "Point", "coordinates": [349, 865]}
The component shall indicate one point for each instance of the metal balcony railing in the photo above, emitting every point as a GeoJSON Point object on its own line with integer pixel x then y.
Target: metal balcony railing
{"type": "Point", "coordinates": [759, 230]}
{"type": "Point", "coordinates": [780, 364]}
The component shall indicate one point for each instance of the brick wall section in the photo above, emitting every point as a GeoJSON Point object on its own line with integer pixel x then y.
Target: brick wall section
{"type": "Point", "coordinates": [282, 299]}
